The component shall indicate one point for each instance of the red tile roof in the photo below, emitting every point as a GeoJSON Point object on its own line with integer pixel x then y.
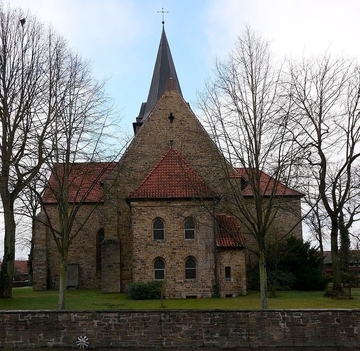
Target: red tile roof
{"type": "Point", "coordinates": [172, 177]}
{"type": "Point", "coordinates": [20, 266]}
{"type": "Point", "coordinates": [268, 185]}
{"type": "Point", "coordinates": [228, 231]}
{"type": "Point", "coordinates": [84, 181]}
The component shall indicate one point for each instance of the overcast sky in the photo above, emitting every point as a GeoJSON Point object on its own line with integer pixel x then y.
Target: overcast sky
{"type": "Point", "coordinates": [121, 37]}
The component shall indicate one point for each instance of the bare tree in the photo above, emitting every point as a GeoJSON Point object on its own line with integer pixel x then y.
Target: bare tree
{"type": "Point", "coordinates": [50, 110]}
{"type": "Point", "coordinates": [326, 95]}
{"type": "Point", "coordinates": [316, 219]}
{"type": "Point", "coordinates": [25, 118]}
{"type": "Point", "coordinates": [348, 216]}
{"type": "Point", "coordinates": [248, 118]}
{"type": "Point", "coordinates": [80, 134]}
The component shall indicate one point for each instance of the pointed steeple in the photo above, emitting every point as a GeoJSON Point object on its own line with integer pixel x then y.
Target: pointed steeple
{"type": "Point", "coordinates": [164, 77]}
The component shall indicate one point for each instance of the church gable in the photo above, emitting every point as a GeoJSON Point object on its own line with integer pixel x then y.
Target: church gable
{"type": "Point", "coordinates": [171, 122]}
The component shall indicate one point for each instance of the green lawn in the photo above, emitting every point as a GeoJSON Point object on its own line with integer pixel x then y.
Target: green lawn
{"type": "Point", "coordinates": [27, 299]}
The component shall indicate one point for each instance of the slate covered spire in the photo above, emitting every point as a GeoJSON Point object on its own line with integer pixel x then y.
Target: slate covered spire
{"type": "Point", "coordinates": [164, 75]}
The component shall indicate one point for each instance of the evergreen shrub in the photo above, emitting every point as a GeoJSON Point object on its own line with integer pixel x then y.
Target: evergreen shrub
{"type": "Point", "coordinates": [145, 291]}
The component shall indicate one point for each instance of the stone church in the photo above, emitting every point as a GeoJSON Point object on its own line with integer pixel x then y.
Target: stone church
{"type": "Point", "coordinates": [155, 214]}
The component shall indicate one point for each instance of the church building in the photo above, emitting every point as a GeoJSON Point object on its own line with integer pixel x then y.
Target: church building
{"type": "Point", "coordinates": [157, 214]}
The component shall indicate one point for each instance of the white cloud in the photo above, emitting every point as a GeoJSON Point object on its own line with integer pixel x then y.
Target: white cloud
{"type": "Point", "coordinates": [293, 27]}
{"type": "Point", "coordinates": [86, 23]}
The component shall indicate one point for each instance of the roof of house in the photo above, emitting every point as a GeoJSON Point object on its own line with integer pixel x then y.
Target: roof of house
{"type": "Point", "coordinates": [20, 266]}
{"type": "Point", "coordinates": [164, 71]}
{"type": "Point", "coordinates": [268, 185]}
{"type": "Point", "coordinates": [228, 233]}
{"type": "Point", "coordinates": [172, 177]}
{"type": "Point", "coordinates": [354, 257]}
{"type": "Point", "coordinates": [84, 182]}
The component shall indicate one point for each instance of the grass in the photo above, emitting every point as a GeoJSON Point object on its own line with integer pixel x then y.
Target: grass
{"type": "Point", "coordinates": [27, 299]}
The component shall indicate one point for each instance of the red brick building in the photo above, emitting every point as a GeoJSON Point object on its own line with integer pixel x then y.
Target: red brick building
{"type": "Point", "coordinates": [159, 216]}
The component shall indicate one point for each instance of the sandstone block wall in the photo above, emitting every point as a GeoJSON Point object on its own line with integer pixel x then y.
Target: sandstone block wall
{"type": "Point", "coordinates": [82, 251]}
{"type": "Point", "coordinates": [152, 140]}
{"type": "Point", "coordinates": [182, 329]}
{"type": "Point", "coordinates": [174, 249]}
{"type": "Point", "coordinates": [236, 261]}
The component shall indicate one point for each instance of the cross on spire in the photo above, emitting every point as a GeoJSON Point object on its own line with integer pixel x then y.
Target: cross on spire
{"type": "Point", "coordinates": [163, 12]}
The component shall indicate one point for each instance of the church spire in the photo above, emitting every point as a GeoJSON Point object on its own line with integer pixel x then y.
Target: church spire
{"type": "Point", "coordinates": [164, 77]}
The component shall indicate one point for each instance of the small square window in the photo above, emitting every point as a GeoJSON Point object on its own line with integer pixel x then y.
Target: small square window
{"type": "Point", "coordinates": [159, 274]}
{"type": "Point", "coordinates": [227, 273]}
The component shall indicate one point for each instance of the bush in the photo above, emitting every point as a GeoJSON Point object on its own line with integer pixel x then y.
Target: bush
{"type": "Point", "coordinates": [291, 264]}
{"type": "Point", "coordinates": [216, 291]}
{"type": "Point", "coordinates": [277, 280]}
{"type": "Point", "coordinates": [145, 291]}
{"type": "Point", "coordinates": [281, 281]}
{"type": "Point", "coordinates": [305, 263]}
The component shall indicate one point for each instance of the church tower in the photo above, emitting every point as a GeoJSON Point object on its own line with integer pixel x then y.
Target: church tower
{"type": "Point", "coordinates": [164, 77]}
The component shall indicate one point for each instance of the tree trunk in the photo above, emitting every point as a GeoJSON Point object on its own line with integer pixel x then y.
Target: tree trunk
{"type": "Point", "coordinates": [8, 263]}
{"type": "Point", "coordinates": [321, 245]}
{"type": "Point", "coordinates": [336, 277]}
{"type": "Point", "coordinates": [63, 281]}
{"type": "Point", "coordinates": [344, 252]}
{"type": "Point", "coordinates": [263, 281]}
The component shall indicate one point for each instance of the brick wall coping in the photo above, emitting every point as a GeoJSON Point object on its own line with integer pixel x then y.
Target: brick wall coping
{"type": "Point", "coordinates": [181, 329]}
{"type": "Point", "coordinates": [180, 310]}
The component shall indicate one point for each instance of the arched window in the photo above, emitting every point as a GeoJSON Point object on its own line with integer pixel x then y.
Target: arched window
{"type": "Point", "coordinates": [100, 235]}
{"type": "Point", "coordinates": [189, 228]}
{"type": "Point", "coordinates": [159, 269]}
{"type": "Point", "coordinates": [190, 268]}
{"type": "Point", "coordinates": [158, 229]}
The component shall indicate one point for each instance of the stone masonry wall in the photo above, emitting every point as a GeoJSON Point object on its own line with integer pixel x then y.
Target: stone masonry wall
{"type": "Point", "coordinates": [153, 139]}
{"type": "Point", "coordinates": [181, 329]}
{"type": "Point", "coordinates": [82, 251]}
{"type": "Point", "coordinates": [287, 217]}
{"type": "Point", "coordinates": [235, 259]}
{"type": "Point", "coordinates": [174, 249]}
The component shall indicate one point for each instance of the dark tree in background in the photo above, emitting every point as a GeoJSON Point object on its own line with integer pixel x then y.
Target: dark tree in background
{"type": "Point", "coordinates": [304, 262]}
